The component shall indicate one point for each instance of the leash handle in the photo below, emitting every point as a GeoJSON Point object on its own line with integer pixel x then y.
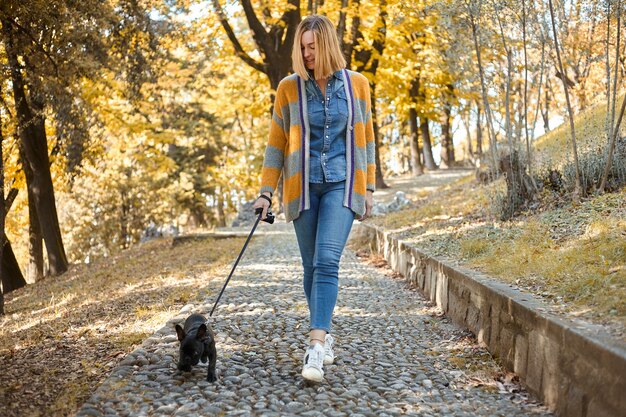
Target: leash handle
{"type": "Point", "coordinates": [269, 219]}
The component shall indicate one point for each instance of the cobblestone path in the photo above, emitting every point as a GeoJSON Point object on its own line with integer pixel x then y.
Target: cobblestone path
{"type": "Point", "coordinates": [392, 352]}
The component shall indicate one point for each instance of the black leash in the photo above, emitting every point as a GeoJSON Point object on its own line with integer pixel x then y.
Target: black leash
{"type": "Point", "coordinates": [268, 219]}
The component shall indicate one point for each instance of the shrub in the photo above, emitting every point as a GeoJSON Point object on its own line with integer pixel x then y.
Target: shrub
{"type": "Point", "coordinates": [592, 164]}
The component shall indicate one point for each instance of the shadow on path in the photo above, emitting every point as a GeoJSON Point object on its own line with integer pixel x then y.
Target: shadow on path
{"type": "Point", "coordinates": [393, 352]}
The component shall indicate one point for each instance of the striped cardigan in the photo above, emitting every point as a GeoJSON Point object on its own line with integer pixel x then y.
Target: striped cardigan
{"type": "Point", "coordinates": [288, 146]}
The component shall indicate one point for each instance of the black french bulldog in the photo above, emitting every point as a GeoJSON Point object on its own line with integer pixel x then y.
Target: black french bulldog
{"type": "Point", "coordinates": [197, 342]}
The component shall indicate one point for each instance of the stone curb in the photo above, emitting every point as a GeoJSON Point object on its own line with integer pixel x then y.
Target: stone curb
{"type": "Point", "coordinates": [577, 369]}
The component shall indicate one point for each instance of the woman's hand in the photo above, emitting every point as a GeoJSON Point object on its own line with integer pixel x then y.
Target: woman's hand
{"type": "Point", "coordinates": [263, 204]}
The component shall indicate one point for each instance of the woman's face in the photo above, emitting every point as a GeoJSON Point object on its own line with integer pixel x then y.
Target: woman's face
{"type": "Point", "coordinates": [307, 44]}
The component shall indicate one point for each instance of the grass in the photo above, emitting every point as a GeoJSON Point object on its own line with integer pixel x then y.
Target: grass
{"type": "Point", "coordinates": [573, 255]}
{"type": "Point", "coordinates": [62, 336]}
{"type": "Point", "coordinates": [588, 269]}
{"type": "Point", "coordinates": [555, 146]}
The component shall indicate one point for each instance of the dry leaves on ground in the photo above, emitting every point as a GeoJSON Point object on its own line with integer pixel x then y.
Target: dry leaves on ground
{"type": "Point", "coordinates": [62, 336]}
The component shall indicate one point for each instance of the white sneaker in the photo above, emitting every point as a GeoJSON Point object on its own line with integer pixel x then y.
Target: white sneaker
{"type": "Point", "coordinates": [313, 369]}
{"type": "Point", "coordinates": [329, 355]}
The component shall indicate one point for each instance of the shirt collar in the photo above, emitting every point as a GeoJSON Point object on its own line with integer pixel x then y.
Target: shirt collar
{"type": "Point", "coordinates": [337, 74]}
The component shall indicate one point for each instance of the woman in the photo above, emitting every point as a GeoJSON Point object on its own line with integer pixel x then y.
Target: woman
{"type": "Point", "coordinates": [322, 140]}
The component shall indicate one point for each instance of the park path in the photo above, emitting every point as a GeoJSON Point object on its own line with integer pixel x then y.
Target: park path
{"type": "Point", "coordinates": [413, 186]}
{"type": "Point", "coordinates": [395, 354]}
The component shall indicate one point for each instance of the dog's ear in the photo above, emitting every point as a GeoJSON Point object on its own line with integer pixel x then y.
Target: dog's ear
{"type": "Point", "coordinates": [201, 335]}
{"type": "Point", "coordinates": [180, 332]}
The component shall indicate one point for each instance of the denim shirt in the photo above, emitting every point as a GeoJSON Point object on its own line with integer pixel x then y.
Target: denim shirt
{"type": "Point", "coordinates": [328, 120]}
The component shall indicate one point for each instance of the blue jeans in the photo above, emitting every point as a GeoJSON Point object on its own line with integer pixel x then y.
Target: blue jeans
{"type": "Point", "coordinates": [322, 232]}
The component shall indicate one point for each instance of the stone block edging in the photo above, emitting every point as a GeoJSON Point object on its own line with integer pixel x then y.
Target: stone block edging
{"type": "Point", "coordinates": [576, 369]}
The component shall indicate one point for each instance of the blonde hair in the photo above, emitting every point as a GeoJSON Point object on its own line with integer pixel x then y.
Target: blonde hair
{"type": "Point", "coordinates": [328, 55]}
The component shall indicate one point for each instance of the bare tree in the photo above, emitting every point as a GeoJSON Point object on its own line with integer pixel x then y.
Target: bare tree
{"type": "Point", "coordinates": [466, 117]}
{"type": "Point", "coordinates": [613, 129]}
{"type": "Point", "coordinates": [609, 159]}
{"type": "Point", "coordinates": [479, 131]}
{"type": "Point", "coordinates": [529, 164]}
{"type": "Point", "coordinates": [618, 10]}
{"type": "Point", "coordinates": [539, 85]}
{"type": "Point", "coordinates": [509, 61]}
{"type": "Point", "coordinates": [474, 22]}
{"type": "Point", "coordinates": [608, 122]}
{"type": "Point", "coordinates": [577, 187]}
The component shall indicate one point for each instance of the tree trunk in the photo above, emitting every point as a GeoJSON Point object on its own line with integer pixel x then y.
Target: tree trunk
{"type": "Point", "coordinates": [219, 209]}
{"type": "Point", "coordinates": [479, 132]}
{"type": "Point", "coordinates": [609, 123]}
{"type": "Point", "coordinates": [518, 185]}
{"type": "Point", "coordinates": [12, 277]}
{"type": "Point", "coordinates": [618, 10]}
{"type": "Point", "coordinates": [490, 128]}
{"type": "Point", "coordinates": [2, 212]}
{"type": "Point", "coordinates": [341, 26]}
{"type": "Point", "coordinates": [578, 188]}
{"type": "Point", "coordinates": [507, 100]}
{"type": "Point", "coordinates": [274, 44]}
{"type": "Point", "coordinates": [348, 48]}
{"type": "Point", "coordinates": [447, 147]}
{"type": "Point", "coordinates": [429, 160]}
{"type": "Point", "coordinates": [35, 270]}
{"type": "Point", "coordinates": [32, 133]}
{"type": "Point", "coordinates": [470, 146]}
{"type": "Point", "coordinates": [609, 159]}
{"type": "Point", "coordinates": [545, 113]}
{"type": "Point", "coordinates": [35, 267]}
{"type": "Point", "coordinates": [417, 168]}
{"type": "Point", "coordinates": [125, 217]}
{"type": "Point", "coordinates": [529, 159]}
{"type": "Point", "coordinates": [1, 290]}
{"type": "Point", "coordinates": [368, 62]}
{"type": "Point", "coordinates": [539, 84]}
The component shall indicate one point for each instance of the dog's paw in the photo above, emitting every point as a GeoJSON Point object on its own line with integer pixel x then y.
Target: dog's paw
{"type": "Point", "coordinates": [211, 378]}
